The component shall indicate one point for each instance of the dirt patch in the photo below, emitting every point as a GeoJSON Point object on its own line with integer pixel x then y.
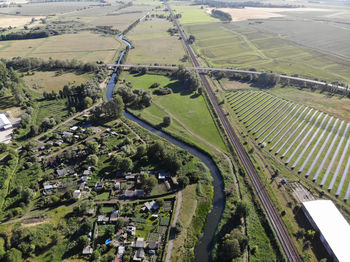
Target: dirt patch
{"type": "Point", "coordinates": [34, 222]}
{"type": "Point", "coordinates": [300, 193]}
{"type": "Point", "coordinates": [242, 14]}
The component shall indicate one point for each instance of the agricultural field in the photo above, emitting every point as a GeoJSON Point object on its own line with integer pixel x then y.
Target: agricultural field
{"type": "Point", "coordinates": [53, 80]}
{"type": "Point", "coordinates": [84, 46]}
{"type": "Point", "coordinates": [107, 16]}
{"type": "Point", "coordinates": [44, 9]}
{"type": "Point", "coordinates": [189, 109]}
{"type": "Point", "coordinates": [313, 143]}
{"type": "Point", "coordinates": [153, 44]}
{"type": "Point", "coordinates": [253, 44]}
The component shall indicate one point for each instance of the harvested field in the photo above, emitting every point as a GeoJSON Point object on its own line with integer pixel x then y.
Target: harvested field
{"type": "Point", "coordinates": [153, 44]}
{"type": "Point", "coordinates": [15, 21]}
{"type": "Point", "coordinates": [51, 81]}
{"type": "Point", "coordinates": [39, 9]}
{"type": "Point", "coordinates": [229, 45]}
{"type": "Point", "coordinates": [312, 142]}
{"type": "Point", "coordinates": [249, 13]}
{"type": "Point", "coordinates": [85, 46]}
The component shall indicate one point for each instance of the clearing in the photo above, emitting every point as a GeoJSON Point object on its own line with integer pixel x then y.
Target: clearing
{"type": "Point", "coordinates": [53, 81]}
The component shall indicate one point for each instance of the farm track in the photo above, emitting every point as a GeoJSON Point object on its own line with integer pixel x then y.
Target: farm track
{"type": "Point", "coordinates": [272, 213]}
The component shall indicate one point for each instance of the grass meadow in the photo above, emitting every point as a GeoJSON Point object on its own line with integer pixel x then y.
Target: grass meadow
{"type": "Point", "coordinates": [51, 81]}
{"type": "Point", "coordinates": [191, 110]}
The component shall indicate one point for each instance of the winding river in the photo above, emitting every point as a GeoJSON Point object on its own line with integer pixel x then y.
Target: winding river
{"type": "Point", "coordinates": [207, 240]}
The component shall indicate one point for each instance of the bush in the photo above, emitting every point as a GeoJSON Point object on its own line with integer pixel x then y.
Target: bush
{"type": "Point", "coordinates": [166, 121]}
{"type": "Point", "coordinates": [162, 91]}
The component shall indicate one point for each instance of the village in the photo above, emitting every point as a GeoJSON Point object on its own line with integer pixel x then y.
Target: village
{"type": "Point", "coordinates": [107, 174]}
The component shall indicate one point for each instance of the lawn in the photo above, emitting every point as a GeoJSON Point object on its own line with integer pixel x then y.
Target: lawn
{"type": "Point", "coordinates": [84, 46]}
{"type": "Point", "coordinates": [153, 44]}
{"type": "Point", "coordinates": [52, 81]}
{"type": "Point", "coordinates": [189, 109]}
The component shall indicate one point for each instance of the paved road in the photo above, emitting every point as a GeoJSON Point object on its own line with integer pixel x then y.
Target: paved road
{"type": "Point", "coordinates": [203, 69]}
{"type": "Point", "coordinates": [276, 221]}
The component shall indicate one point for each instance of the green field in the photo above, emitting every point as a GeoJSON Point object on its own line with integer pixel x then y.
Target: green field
{"type": "Point", "coordinates": [84, 46]}
{"type": "Point", "coordinates": [190, 110]}
{"type": "Point", "coordinates": [306, 140]}
{"type": "Point", "coordinates": [51, 81]}
{"type": "Point", "coordinates": [153, 44]}
{"type": "Point", "coordinates": [246, 46]}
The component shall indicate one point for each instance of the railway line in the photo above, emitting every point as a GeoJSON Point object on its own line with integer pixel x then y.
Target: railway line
{"type": "Point", "coordinates": [272, 213]}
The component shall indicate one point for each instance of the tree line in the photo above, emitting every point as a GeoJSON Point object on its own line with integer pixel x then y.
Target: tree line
{"type": "Point", "coordinates": [223, 16]}
{"type": "Point", "coordinates": [26, 35]}
{"type": "Point", "coordinates": [27, 64]}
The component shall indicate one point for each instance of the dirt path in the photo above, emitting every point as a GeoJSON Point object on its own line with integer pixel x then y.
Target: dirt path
{"type": "Point", "coordinates": [37, 139]}
{"type": "Point", "coordinates": [204, 141]}
{"type": "Point", "coordinates": [172, 233]}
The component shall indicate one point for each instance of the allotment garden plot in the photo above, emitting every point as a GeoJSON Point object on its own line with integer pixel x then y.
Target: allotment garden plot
{"type": "Point", "coordinates": [312, 142]}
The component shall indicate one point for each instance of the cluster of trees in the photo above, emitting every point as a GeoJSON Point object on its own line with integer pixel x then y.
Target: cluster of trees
{"type": "Point", "coordinates": [189, 79]}
{"type": "Point", "coordinates": [30, 240]}
{"type": "Point", "coordinates": [26, 35]}
{"type": "Point", "coordinates": [232, 245]}
{"type": "Point", "coordinates": [172, 31]}
{"type": "Point", "coordinates": [162, 91]}
{"type": "Point", "coordinates": [27, 64]}
{"type": "Point", "coordinates": [167, 159]}
{"type": "Point", "coordinates": [191, 39]}
{"type": "Point", "coordinates": [11, 82]}
{"type": "Point", "coordinates": [112, 109]}
{"type": "Point", "coordinates": [268, 79]}
{"type": "Point", "coordinates": [105, 29]}
{"type": "Point", "coordinates": [264, 79]}
{"type": "Point", "coordinates": [135, 98]}
{"type": "Point", "coordinates": [223, 16]}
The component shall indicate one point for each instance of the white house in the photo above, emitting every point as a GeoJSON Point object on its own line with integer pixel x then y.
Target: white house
{"type": "Point", "coordinates": [4, 122]}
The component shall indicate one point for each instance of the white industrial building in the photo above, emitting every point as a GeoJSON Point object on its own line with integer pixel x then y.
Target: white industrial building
{"type": "Point", "coordinates": [4, 122]}
{"type": "Point", "coordinates": [333, 228]}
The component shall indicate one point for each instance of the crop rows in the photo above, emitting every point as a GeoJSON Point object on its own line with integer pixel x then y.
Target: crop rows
{"type": "Point", "coordinates": [310, 141]}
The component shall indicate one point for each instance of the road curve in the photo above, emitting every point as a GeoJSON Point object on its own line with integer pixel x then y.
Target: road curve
{"type": "Point", "coordinates": [273, 215]}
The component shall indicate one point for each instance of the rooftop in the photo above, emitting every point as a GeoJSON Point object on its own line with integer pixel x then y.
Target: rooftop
{"type": "Point", "coordinates": [332, 225]}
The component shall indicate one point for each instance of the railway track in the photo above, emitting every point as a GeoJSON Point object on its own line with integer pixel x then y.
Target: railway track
{"type": "Point", "coordinates": [276, 221]}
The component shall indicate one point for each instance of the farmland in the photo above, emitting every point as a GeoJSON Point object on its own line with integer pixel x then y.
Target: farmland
{"type": "Point", "coordinates": [253, 44]}
{"type": "Point", "coordinates": [153, 44]}
{"type": "Point", "coordinates": [309, 141]}
{"type": "Point", "coordinates": [189, 109]}
{"type": "Point", "coordinates": [84, 46]}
